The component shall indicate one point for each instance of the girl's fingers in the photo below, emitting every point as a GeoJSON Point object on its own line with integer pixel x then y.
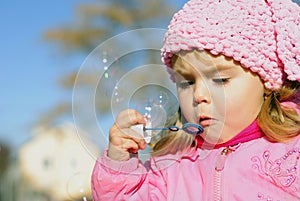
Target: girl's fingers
{"type": "Point", "coordinates": [123, 139]}
{"type": "Point", "coordinates": [127, 134]}
{"type": "Point", "coordinates": [123, 151]}
{"type": "Point", "coordinates": [121, 127]}
{"type": "Point", "coordinates": [130, 146]}
{"type": "Point", "coordinates": [129, 117]}
{"type": "Point", "coordinates": [137, 137]}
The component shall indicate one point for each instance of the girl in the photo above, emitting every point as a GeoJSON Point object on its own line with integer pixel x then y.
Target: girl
{"type": "Point", "coordinates": [236, 67]}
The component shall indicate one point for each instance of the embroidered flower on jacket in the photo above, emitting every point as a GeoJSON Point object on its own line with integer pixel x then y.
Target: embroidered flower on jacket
{"type": "Point", "coordinates": [283, 171]}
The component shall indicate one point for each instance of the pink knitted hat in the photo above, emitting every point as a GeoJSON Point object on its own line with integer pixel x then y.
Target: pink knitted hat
{"type": "Point", "coordinates": [263, 35]}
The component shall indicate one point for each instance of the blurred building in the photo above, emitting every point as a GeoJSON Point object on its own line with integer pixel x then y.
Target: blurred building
{"type": "Point", "coordinates": [55, 165]}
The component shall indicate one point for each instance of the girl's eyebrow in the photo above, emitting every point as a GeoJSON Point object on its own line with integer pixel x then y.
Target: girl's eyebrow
{"type": "Point", "coordinates": [218, 68]}
{"type": "Point", "coordinates": [208, 70]}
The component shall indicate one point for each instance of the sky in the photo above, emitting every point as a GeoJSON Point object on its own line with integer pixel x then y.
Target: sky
{"type": "Point", "coordinates": [30, 67]}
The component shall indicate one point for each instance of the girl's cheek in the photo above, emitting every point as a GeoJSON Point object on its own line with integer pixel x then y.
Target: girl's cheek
{"type": "Point", "coordinates": [186, 109]}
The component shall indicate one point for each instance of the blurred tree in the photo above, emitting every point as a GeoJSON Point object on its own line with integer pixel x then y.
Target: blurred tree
{"type": "Point", "coordinates": [4, 164]}
{"type": "Point", "coordinates": [4, 158]}
{"type": "Point", "coordinates": [94, 24]}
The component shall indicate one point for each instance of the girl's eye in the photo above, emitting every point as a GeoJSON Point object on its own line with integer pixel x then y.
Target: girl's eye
{"type": "Point", "coordinates": [185, 84]}
{"type": "Point", "coordinates": [220, 80]}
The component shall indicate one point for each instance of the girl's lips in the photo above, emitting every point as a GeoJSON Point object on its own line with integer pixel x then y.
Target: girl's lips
{"type": "Point", "coordinates": [205, 121]}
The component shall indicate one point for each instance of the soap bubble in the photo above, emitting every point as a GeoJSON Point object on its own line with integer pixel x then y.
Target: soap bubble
{"type": "Point", "coordinates": [111, 79]}
{"type": "Point", "coordinates": [140, 89]}
{"type": "Point", "coordinates": [156, 103]}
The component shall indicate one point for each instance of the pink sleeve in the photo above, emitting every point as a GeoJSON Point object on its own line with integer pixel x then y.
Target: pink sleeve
{"type": "Point", "coordinates": [128, 180]}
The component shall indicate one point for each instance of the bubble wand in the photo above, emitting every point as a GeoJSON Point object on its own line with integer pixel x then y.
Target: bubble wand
{"type": "Point", "coordinates": [190, 128]}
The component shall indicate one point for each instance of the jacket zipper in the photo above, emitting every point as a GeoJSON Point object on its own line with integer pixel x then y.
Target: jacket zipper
{"type": "Point", "coordinates": [219, 169]}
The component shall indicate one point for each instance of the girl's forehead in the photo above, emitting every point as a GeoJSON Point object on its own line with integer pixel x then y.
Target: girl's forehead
{"type": "Point", "coordinates": [201, 59]}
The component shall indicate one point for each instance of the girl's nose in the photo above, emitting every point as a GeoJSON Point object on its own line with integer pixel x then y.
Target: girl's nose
{"type": "Point", "coordinates": [201, 93]}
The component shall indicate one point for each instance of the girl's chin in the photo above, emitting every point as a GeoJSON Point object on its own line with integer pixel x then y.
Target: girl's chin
{"type": "Point", "coordinates": [212, 141]}
{"type": "Point", "coordinates": [213, 136]}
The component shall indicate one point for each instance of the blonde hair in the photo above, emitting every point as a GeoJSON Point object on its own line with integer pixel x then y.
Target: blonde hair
{"type": "Point", "coordinates": [173, 142]}
{"type": "Point", "coordinates": [278, 121]}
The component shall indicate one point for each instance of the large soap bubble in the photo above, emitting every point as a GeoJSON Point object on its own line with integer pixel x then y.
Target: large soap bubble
{"type": "Point", "coordinates": [117, 75]}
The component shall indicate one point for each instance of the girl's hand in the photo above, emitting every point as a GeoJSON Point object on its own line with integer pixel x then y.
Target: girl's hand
{"type": "Point", "coordinates": [122, 139]}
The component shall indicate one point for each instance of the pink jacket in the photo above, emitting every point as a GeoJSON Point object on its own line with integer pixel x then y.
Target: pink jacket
{"type": "Point", "coordinates": [254, 170]}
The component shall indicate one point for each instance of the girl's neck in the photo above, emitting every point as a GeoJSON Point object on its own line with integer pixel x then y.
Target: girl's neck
{"type": "Point", "coordinates": [252, 132]}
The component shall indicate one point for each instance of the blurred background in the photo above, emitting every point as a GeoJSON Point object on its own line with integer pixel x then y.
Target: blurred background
{"type": "Point", "coordinates": [43, 45]}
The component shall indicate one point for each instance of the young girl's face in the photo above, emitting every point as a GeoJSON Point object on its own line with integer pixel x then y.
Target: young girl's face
{"type": "Point", "coordinates": [217, 93]}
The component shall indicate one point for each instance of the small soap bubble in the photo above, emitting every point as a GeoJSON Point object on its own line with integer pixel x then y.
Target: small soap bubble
{"type": "Point", "coordinates": [162, 99]}
{"type": "Point", "coordinates": [104, 57]}
{"type": "Point", "coordinates": [156, 103]}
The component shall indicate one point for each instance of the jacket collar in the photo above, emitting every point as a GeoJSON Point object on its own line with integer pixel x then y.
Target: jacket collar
{"type": "Point", "coordinates": [252, 132]}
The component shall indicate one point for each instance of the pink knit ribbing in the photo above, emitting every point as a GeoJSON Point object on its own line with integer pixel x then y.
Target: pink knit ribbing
{"type": "Point", "coordinates": [263, 36]}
